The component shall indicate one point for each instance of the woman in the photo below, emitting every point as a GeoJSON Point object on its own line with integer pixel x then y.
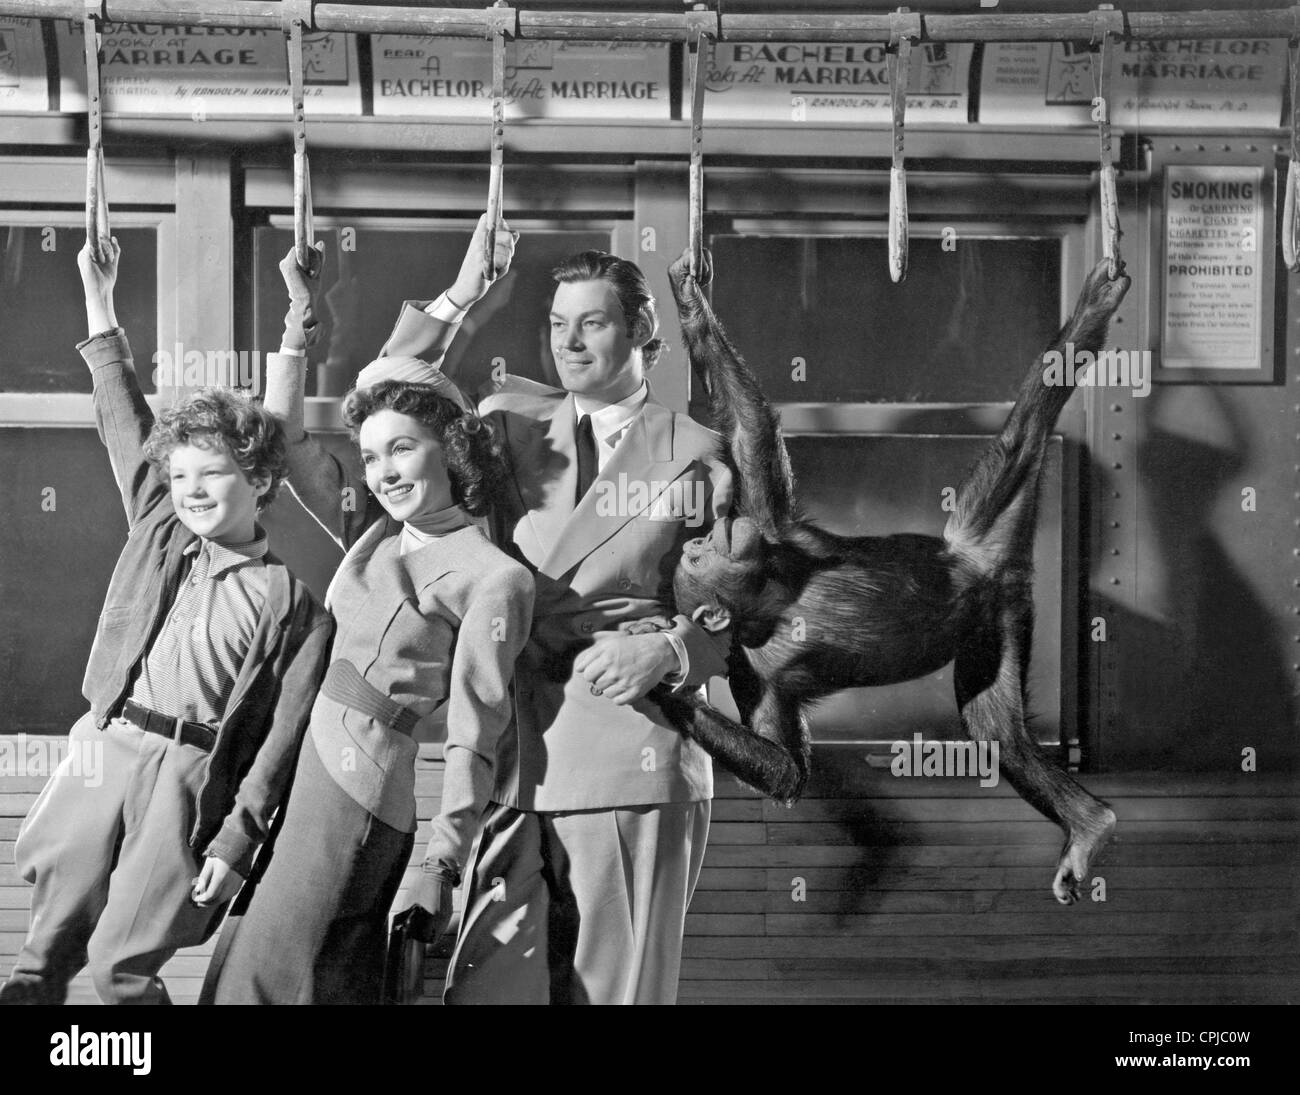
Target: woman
{"type": "Point", "coordinates": [428, 610]}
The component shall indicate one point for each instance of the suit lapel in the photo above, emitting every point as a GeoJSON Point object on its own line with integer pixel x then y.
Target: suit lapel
{"type": "Point", "coordinates": [646, 464]}
{"type": "Point", "coordinates": [548, 458]}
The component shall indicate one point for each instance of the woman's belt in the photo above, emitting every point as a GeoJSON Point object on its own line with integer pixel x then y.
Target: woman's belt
{"type": "Point", "coordinates": [344, 684]}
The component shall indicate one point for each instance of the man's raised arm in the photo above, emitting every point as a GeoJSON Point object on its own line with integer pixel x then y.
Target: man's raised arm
{"type": "Point", "coordinates": [425, 329]}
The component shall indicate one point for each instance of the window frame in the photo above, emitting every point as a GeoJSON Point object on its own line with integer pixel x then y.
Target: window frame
{"type": "Point", "coordinates": [76, 409]}
{"type": "Point", "coordinates": [324, 413]}
{"type": "Point", "coordinates": [818, 419]}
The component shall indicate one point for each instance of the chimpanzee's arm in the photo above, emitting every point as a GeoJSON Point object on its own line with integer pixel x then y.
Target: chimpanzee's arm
{"type": "Point", "coordinates": [749, 426]}
{"type": "Point", "coordinates": [774, 758]}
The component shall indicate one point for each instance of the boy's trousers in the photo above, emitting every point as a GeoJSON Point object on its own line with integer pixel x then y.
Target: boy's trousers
{"type": "Point", "coordinates": [106, 846]}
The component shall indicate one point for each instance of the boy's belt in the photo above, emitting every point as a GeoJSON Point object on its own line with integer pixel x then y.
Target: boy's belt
{"type": "Point", "coordinates": [187, 733]}
{"type": "Point", "coordinates": [344, 684]}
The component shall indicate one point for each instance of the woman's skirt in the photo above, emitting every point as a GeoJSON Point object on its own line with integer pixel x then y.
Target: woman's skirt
{"type": "Point", "coordinates": [311, 926]}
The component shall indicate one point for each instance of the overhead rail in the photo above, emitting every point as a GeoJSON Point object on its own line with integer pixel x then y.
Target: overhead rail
{"type": "Point", "coordinates": [1048, 25]}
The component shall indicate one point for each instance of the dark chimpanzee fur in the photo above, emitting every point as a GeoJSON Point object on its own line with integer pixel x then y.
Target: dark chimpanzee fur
{"type": "Point", "coordinates": [812, 612]}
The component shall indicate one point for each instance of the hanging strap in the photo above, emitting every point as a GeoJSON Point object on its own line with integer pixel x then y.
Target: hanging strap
{"type": "Point", "coordinates": [1106, 23]}
{"type": "Point", "coordinates": [98, 231]}
{"type": "Point", "coordinates": [904, 27]}
{"type": "Point", "coordinates": [1290, 229]}
{"type": "Point", "coordinates": [503, 23]}
{"type": "Point", "coordinates": [294, 17]}
{"type": "Point", "coordinates": [701, 29]}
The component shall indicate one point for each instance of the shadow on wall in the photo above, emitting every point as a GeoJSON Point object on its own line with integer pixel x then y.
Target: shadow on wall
{"type": "Point", "coordinates": [1204, 675]}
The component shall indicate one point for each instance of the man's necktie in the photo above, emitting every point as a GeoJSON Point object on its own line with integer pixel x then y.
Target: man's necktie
{"type": "Point", "coordinates": [586, 457]}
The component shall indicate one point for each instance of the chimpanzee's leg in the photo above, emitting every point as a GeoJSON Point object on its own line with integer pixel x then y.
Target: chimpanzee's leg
{"type": "Point", "coordinates": [996, 505]}
{"type": "Point", "coordinates": [993, 527]}
{"type": "Point", "coordinates": [990, 697]}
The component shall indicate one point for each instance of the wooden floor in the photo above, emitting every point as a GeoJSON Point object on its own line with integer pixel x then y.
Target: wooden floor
{"type": "Point", "coordinates": [876, 889]}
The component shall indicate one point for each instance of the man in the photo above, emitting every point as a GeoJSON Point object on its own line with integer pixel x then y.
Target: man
{"type": "Point", "coordinates": [590, 853]}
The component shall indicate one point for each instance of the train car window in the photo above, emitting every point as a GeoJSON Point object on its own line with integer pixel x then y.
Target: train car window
{"type": "Point", "coordinates": [820, 322]}
{"type": "Point", "coordinates": [59, 541]}
{"type": "Point", "coordinates": [901, 488]}
{"type": "Point", "coordinates": [369, 272]}
{"type": "Point", "coordinates": [42, 309]}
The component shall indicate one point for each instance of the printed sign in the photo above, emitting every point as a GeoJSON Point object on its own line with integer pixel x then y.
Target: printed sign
{"type": "Point", "coordinates": [1170, 84]}
{"type": "Point", "coordinates": [23, 83]}
{"type": "Point", "coordinates": [824, 82]}
{"type": "Point", "coordinates": [1213, 273]}
{"type": "Point", "coordinates": [157, 68]}
{"type": "Point", "coordinates": [452, 77]}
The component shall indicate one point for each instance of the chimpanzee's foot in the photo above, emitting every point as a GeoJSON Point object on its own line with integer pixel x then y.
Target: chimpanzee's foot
{"type": "Point", "coordinates": [1081, 848]}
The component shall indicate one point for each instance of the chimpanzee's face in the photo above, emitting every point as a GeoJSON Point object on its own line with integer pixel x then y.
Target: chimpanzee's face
{"type": "Point", "coordinates": [722, 570]}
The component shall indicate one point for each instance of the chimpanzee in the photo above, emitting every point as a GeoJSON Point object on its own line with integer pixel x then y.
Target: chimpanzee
{"type": "Point", "coordinates": [811, 612]}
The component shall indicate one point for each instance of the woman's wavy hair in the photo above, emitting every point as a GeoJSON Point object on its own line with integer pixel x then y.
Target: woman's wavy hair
{"type": "Point", "coordinates": [223, 418]}
{"type": "Point", "coordinates": [476, 465]}
{"type": "Point", "coordinates": [630, 285]}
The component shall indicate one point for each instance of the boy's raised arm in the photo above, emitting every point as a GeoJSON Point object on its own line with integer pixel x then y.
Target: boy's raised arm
{"type": "Point", "coordinates": [122, 415]}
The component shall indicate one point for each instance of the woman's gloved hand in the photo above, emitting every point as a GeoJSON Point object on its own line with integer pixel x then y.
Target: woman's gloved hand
{"type": "Point", "coordinates": [301, 326]}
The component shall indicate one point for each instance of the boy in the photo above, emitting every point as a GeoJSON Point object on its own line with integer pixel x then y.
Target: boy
{"type": "Point", "coordinates": [204, 668]}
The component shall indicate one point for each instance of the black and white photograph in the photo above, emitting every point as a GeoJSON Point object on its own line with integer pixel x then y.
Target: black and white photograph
{"type": "Point", "coordinates": [732, 503]}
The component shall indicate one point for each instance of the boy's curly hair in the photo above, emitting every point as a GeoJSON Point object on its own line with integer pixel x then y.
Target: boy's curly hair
{"type": "Point", "coordinates": [476, 464]}
{"type": "Point", "coordinates": [214, 417]}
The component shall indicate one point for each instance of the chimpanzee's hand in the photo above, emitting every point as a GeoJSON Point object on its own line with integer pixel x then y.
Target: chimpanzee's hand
{"type": "Point", "coordinates": [679, 273]}
{"type": "Point", "coordinates": [686, 288]}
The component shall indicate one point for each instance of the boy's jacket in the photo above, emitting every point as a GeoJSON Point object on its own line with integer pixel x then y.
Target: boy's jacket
{"type": "Point", "coordinates": [257, 742]}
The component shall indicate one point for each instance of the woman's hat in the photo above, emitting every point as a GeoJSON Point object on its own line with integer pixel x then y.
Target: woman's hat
{"type": "Point", "coordinates": [412, 370]}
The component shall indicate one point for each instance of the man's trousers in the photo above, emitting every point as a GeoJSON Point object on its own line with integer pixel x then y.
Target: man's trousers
{"type": "Point", "coordinates": [577, 908]}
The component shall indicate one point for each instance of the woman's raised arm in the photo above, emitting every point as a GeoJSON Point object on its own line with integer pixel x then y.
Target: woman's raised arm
{"type": "Point", "coordinates": [335, 496]}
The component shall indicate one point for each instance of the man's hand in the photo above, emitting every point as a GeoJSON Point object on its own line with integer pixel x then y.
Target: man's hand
{"type": "Point", "coordinates": [300, 326]}
{"type": "Point", "coordinates": [471, 283]}
{"type": "Point", "coordinates": [623, 667]}
{"type": "Point", "coordinates": [217, 883]}
{"type": "Point", "coordinates": [98, 278]}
